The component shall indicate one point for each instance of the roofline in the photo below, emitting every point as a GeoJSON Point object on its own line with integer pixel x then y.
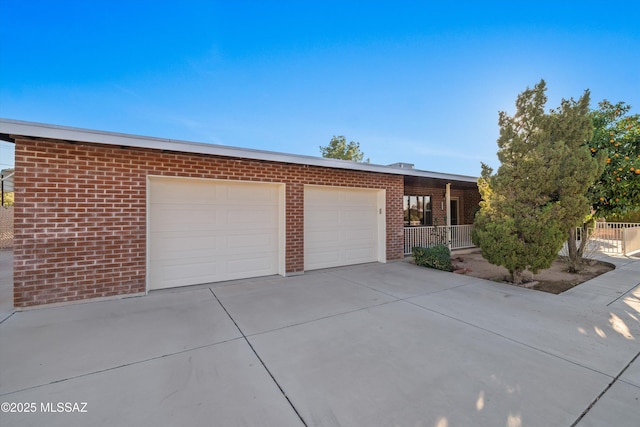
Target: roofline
{"type": "Point", "coordinates": [66, 133]}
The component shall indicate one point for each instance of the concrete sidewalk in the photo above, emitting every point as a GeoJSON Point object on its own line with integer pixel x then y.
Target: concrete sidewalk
{"type": "Point", "coordinates": [369, 345]}
{"type": "Point", "coordinates": [611, 287]}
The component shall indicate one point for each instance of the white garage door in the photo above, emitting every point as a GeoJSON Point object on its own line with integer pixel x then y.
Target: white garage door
{"type": "Point", "coordinates": [342, 226]}
{"type": "Point", "coordinates": [203, 231]}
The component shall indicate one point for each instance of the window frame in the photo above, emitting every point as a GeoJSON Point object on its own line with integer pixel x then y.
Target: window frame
{"type": "Point", "coordinates": [423, 210]}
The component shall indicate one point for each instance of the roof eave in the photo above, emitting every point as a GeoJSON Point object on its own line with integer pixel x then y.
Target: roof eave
{"type": "Point", "coordinates": [41, 130]}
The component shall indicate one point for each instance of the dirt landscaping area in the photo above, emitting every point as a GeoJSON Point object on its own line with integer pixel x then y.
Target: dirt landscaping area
{"type": "Point", "coordinates": [554, 280]}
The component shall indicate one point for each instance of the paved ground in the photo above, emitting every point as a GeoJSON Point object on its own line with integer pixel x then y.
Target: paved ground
{"type": "Point", "coordinates": [371, 345]}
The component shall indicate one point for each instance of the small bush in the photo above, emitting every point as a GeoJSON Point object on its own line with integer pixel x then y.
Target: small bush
{"type": "Point", "coordinates": [438, 257]}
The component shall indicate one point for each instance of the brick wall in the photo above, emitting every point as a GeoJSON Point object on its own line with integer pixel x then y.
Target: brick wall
{"type": "Point", "coordinates": [80, 213]}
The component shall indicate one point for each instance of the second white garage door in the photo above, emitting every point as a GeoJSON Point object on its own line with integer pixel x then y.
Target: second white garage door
{"type": "Point", "coordinates": [203, 231]}
{"type": "Point", "coordinates": [343, 226]}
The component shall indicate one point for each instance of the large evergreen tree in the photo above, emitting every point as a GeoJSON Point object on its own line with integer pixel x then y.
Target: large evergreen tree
{"type": "Point", "coordinates": [572, 127]}
{"type": "Point", "coordinates": [538, 193]}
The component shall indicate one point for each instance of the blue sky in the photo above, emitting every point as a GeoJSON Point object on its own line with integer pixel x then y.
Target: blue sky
{"type": "Point", "coordinates": [419, 82]}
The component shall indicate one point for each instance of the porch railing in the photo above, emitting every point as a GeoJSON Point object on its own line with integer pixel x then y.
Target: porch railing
{"type": "Point", "coordinates": [607, 237]}
{"type": "Point", "coordinates": [431, 236]}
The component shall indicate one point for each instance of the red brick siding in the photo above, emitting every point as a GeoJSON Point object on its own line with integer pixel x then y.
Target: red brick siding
{"type": "Point", "coordinates": [80, 213]}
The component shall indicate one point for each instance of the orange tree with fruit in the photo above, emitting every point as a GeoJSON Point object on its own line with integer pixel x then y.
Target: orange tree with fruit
{"type": "Point", "coordinates": [617, 135]}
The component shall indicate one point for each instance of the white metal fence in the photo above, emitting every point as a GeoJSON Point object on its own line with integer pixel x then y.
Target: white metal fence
{"type": "Point", "coordinates": [614, 237]}
{"type": "Point", "coordinates": [607, 237]}
{"type": "Point", "coordinates": [430, 236]}
{"type": "Point", "coordinates": [6, 227]}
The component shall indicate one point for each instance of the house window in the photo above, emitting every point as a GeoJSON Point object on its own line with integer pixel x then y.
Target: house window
{"type": "Point", "coordinates": [417, 211]}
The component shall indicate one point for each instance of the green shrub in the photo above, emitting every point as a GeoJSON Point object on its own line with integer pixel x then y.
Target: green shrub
{"type": "Point", "coordinates": [438, 257]}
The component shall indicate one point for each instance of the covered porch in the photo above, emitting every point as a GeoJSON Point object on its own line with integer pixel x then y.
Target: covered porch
{"type": "Point", "coordinates": [439, 210]}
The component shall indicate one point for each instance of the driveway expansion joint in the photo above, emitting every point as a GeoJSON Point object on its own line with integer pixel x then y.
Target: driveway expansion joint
{"type": "Point", "coordinates": [8, 317]}
{"type": "Point", "coordinates": [284, 394]}
{"type": "Point", "coordinates": [598, 397]}
{"type": "Point", "coordinates": [113, 368]}
{"type": "Point", "coordinates": [323, 318]}
{"type": "Point", "coordinates": [624, 294]}
{"type": "Point", "coordinates": [346, 279]}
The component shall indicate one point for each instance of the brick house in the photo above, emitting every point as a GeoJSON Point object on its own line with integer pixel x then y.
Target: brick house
{"type": "Point", "coordinates": [101, 214]}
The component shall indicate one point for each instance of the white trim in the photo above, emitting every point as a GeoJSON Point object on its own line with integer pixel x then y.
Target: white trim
{"type": "Point", "coordinates": [30, 129]}
{"type": "Point", "coordinates": [382, 225]}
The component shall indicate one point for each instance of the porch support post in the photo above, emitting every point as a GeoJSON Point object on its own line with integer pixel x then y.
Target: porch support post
{"type": "Point", "coordinates": [447, 198]}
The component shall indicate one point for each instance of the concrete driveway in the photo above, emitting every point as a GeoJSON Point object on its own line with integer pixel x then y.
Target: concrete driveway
{"type": "Point", "coordinates": [370, 345]}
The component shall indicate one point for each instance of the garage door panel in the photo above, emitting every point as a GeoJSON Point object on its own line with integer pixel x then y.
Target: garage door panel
{"type": "Point", "coordinates": [233, 234]}
{"type": "Point", "coordinates": [322, 198]}
{"type": "Point", "coordinates": [319, 215]}
{"type": "Point", "coordinates": [244, 194]}
{"type": "Point", "coordinates": [174, 248]}
{"type": "Point", "coordinates": [213, 245]}
{"type": "Point", "coordinates": [341, 226]}
{"type": "Point", "coordinates": [323, 256]}
{"type": "Point", "coordinates": [176, 193]}
{"type": "Point", "coordinates": [359, 254]}
{"type": "Point", "coordinates": [360, 220]}
{"type": "Point", "coordinates": [357, 198]}
{"type": "Point", "coordinates": [248, 216]}
{"type": "Point", "coordinates": [360, 236]}
{"type": "Point", "coordinates": [186, 273]}
{"type": "Point", "coordinates": [164, 216]}
{"type": "Point", "coordinates": [263, 241]}
{"type": "Point", "coordinates": [258, 266]}
{"type": "Point", "coordinates": [329, 237]}
{"type": "Point", "coordinates": [194, 267]}
{"type": "Point", "coordinates": [172, 256]}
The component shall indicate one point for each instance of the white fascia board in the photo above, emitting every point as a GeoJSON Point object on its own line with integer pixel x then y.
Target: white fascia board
{"type": "Point", "coordinates": [40, 130]}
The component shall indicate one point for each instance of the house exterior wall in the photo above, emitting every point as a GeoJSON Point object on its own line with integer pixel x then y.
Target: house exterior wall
{"type": "Point", "coordinates": [469, 200]}
{"type": "Point", "coordinates": [80, 213]}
